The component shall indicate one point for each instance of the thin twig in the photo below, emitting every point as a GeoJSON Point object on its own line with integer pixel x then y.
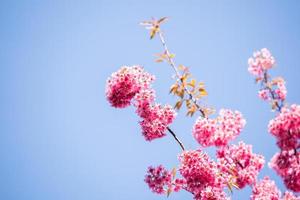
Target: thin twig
{"type": "Point", "coordinates": [172, 63]}
{"type": "Point", "coordinates": [265, 81]}
{"type": "Point", "coordinates": [176, 138]}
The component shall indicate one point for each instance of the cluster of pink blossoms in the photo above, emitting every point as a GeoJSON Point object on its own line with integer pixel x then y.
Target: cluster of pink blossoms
{"type": "Point", "coordinates": [287, 165]}
{"type": "Point", "coordinates": [202, 176]}
{"type": "Point", "coordinates": [258, 65]}
{"type": "Point", "coordinates": [266, 190]}
{"type": "Point", "coordinates": [286, 127]}
{"type": "Point", "coordinates": [124, 84]}
{"type": "Point", "coordinates": [133, 83]}
{"type": "Point", "coordinates": [161, 181]}
{"type": "Point", "coordinates": [219, 131]}
{"type": "Point", "coordinates": [239, 164]}
{"type": "Point", "coordinates": [260, 62]}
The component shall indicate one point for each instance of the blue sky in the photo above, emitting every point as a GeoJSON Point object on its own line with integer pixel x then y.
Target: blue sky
{"type": "Point", "coordinates": [59, 137]}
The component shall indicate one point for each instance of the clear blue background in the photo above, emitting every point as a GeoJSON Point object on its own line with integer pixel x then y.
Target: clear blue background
{"type": "Point", "coordinates": [61, 140]}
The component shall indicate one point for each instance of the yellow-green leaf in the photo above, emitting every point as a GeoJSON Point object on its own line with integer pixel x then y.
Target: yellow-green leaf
{"type": "Point", "coordinates": [192, 83]}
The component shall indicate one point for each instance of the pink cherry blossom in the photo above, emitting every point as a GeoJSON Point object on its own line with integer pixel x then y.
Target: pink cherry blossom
{"type": "Point", "coordinates": [238, 162]}
{"type": "Point", "coordinates": [158, 179]}
{"type": "Point", "coordinates": [287, 165]}
{"type": "Point", "coordinates": [266, 189]}
{"type": "Point", "coordinates": [200, 172]}
{"type": "Point", "coordinates": [281, 90]}
{"type": "Point", "coordinates": [226, 127]}
{"type": "Point", "coordinates": [124, 84]}
{"type": "Point", "coordinates": [212, 193]}
{"type": "Point", "coordinates": [262, 60]}
{"type": "Point", "coordinates": [143, 101]}
{"type": "Point", "coordinates": [264, 94]}
{"type": "Point", "coordinates": [286, 127]}
{"type": "Point", "coordinates": [290, 196]}
{"type": "Point", "coordinates": [156, 121]}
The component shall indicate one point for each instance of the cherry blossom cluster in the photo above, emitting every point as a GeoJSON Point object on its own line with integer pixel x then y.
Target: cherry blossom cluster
{"type": "Point", "coordinates": [240, 164]}
{"type": "Point", "coordinates": [271, 90]}
{"type": "Point", "coordinates": [286, 127]}
{"type": "Point", "coordinates": [154, 125]}
{"type": "Point", "coordinates": [158, 178]}
{"type": "Point", "coordinates": [219, 131]}
{"type": "Point", "coordinates": [202, 175]}
{"type": "Point", "coordinates": [286, 164]}
{"type": "Point", "coordinates": [124, 84]}
{"type": "Point", "coordinates": [260, 62]}
{"type": "Point", "coordinates": [132, 85]}
{"type": "Point", "coordinates": [162, 181]}
{"type": "Point", "coordinates": [266, 189]}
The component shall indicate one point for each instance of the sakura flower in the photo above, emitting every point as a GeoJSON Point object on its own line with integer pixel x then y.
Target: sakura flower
{"type": "Point", "coordinates": [286, 127]}
{"type": "Point", "coordinates": [211, 193]}
{"type": "Point", "coordinates": [281, 90]}
{"type": "Point", "coordinates": [265, 190]}
{"type": "Point", "coordinates": [264, 94]}
{"type": "Point", "coordinates": [262, 60]}
{"type": "Point", "coordinates": [124, 84]}
{"type": "Point", "coordinates": [238, 162]}
{"type": "Point", "coordinates": [158, 179]}
{"type": "Point", "coordinates": [227, 126]}
{"type": "Point", "coordinates": [199, 172]}
{"type": "Point", "coordinates": [156, 121]}
{"type": "Point", "coordinates": [289, 196]}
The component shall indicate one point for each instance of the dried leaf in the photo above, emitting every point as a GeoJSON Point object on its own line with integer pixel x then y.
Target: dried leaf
{"type": "Point", "coordinates": [235, 185]}
{"type": "Point", "coordinates": [258, 79]}
{"type": "Point", "coordinates": [181, 67]}
{"type": "Point", "coordinates": [188, 103]}
{"type": "Point", "coordinates": [202, 92]}
{"type": "Point", "coordinates": [192, 83]}
{"type": "Point", "coordinates": [174, 88]}
{"type": "Point", "coordinates": [169, 191]}
{"type": "Point", "coordinates": [163, 19]}
{"type": "Point", "coordinates": [153, 32]}
{"type": "Point", "coordinates": [178, 105]}
{"type": "Point", "coordinates": [229, 187]}
{"type": "Point", "coordinates": [173, 172]}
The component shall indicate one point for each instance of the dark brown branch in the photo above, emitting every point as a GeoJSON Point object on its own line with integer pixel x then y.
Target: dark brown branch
{"type": "Point", "coordinates": [176, 138]}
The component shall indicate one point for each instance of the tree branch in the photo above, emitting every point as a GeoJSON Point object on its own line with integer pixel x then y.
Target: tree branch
{"type": "Point", "coordinates": [172, 63]}
{"type": "Point", "coordinates": [176, 138]}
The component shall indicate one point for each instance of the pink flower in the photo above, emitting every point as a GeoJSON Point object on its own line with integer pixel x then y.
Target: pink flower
{"type": "Point", "coordinates": [265, 190]}
{"type": "Point", "coordinates": [281, 90]}
{"type": "Point", "coordinates": [158, 179]}
{"type": "Point", "coordinates": [227, 126]}
{"type": "Point", "coordinates": [292, 179]}
{"type": "Point", "coordinates": [238, 163]}
{"type": "Point", "coordinates": [287, 165]}
{"type": "Point", "coordinates": [289, 196]}
{"type": "Point", "coordinates": [143, 101]}
{"type": "Point", "coordinates": [286, 127]}
{"type": "Point", "coordinates": [156, 120]}
{"type": "Point", "coordinates": [262, 60]}
{"type": "Point", "coordinates": [200, 172]}
{"type": "Point", "coordinates": [264, 94]}
{"type": "Point", "coordinates": [211, 193]}
{"type": "Point", "coordinates": [124, 84]}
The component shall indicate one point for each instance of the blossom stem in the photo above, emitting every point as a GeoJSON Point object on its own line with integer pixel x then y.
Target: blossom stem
{"type": "Point", "coordinates": [172, 63]}
{"type": "Point", "coordinates": [176, 138]}
{"type": "Point", "coordinates": [265, 81]}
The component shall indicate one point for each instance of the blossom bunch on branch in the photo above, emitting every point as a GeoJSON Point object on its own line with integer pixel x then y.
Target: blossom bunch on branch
{"type": "Point", "coordinates": [236, 165]}
{"type": "Point", "coordinates": [285, 127]}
